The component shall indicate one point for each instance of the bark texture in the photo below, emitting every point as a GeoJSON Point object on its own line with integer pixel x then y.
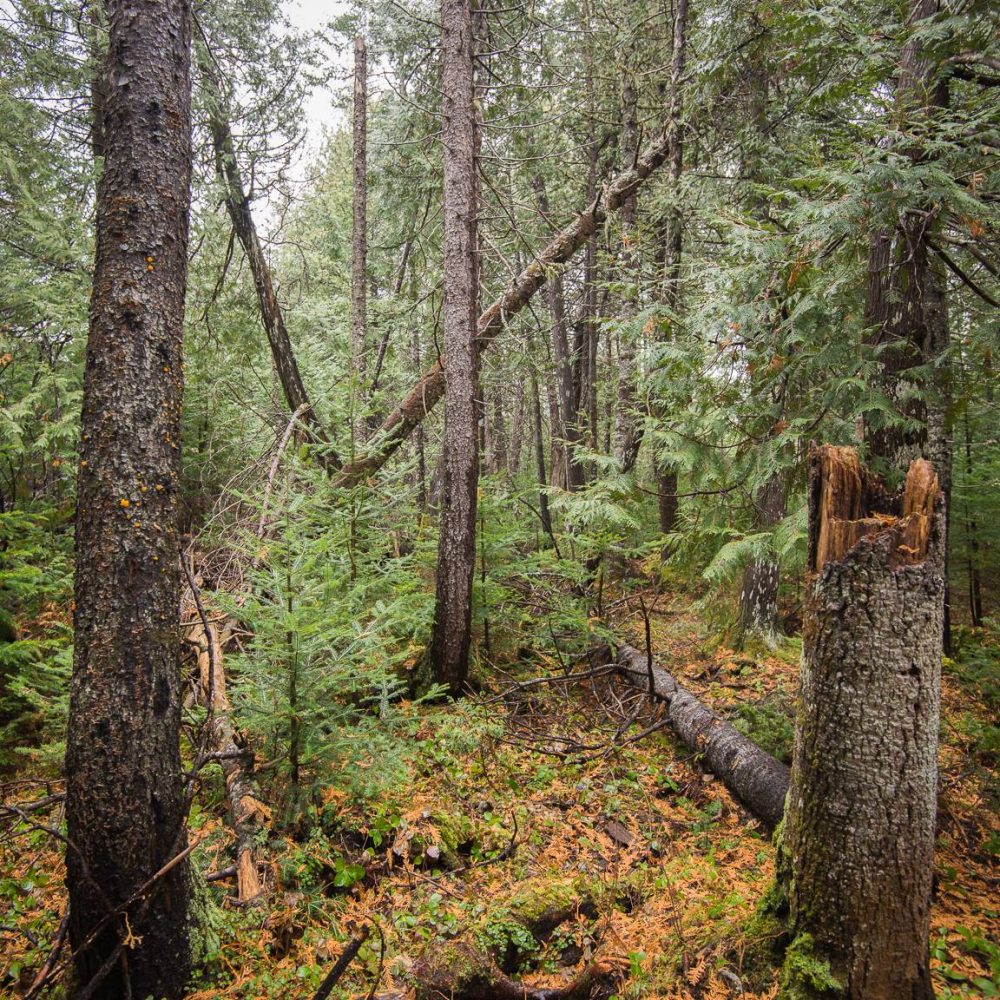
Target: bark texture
{"type": "Point", "coordinates": [759, 593]}
{"type": "Point", "coordinates": [421, 399]}
{"type": "Point", "coordinates": [359, 255]}
{"type": "Point", "coordinates": [124, 799]}
{"type": "Point", "coordinates": [752, 775]}
{"type": "Point", "coordinates": [628, 425]}
{"type": "Point", "coordinates": [451, 635]}
{"type": "Point", "coordinates": [859, 833]}
{"type": "Point", "coordinates": [565, 361]}
{"type": "Point", "coordinates": [666, 473]}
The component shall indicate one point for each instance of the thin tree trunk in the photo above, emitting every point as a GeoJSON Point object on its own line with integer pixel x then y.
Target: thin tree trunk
{"type": "Point", "coordinates": [421, 454]}
{"type": "Point", "coordinates": [516, 432]}
{"type": "Point", "coordinates": [759, 593]}
{"type": "Point", "coordinates": [452, 631]}
{"type": "Point", "coordinates": [568, 428]}
{"type": "Point", "coordinates": [399, 424]}
{"type": "Point", "coordinates": [539, 436]}
{"type": "Point", "coordinates": [628, 425]}
{"type": "Point", "coordinates": [359, 243]}
{"type": "Point", "coordinates": [857, 851]}
{"type": "Point", "coordinates": [125, 796]}
{"type": "Point", "coordinates": [238, 206]}
{"type": "Point", "coordinates": [972, 531]}
{"type": "Point", "coordinates": [666, 473]}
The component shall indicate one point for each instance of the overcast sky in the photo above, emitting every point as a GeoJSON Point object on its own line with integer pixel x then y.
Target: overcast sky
{"type": "Point", "coordinates": [312, 15]}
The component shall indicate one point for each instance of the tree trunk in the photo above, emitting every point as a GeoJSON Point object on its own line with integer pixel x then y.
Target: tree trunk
{"type": "Point", "coordinates": [568, 429]}
{"type": "Point", "coordinates": [752, 775]}
{"type": "Point", "coordinates": [539, 436]}
{"type": "Point", "coordinates": [666, 473]}
{"type": "Point", "coordinates": [972, 541]}
{"type": "Point", "coordinates": [906, 304]}
{"type": "Point", "coordinates": [421, 399]}
{"type": "Point", "coordinates": [516, 432]}
{"type": "Point", "coordinates": [238, 206]}
{"type": "Point", "coordinates": [759, 593]}
{"type": "Point", "coordinates": [628, 426]}
{"type": "Point", "coordinates": [857, 851]}
{"type": "Point", "coordinates": [359, 244]}
{"type": "Point", "coordinates": [125, 797]}
{"type": "Point", "coordinates": [451, 637]}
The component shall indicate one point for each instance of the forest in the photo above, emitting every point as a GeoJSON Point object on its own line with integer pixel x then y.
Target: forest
{"type": "Point", "coordinates": [499, 501]}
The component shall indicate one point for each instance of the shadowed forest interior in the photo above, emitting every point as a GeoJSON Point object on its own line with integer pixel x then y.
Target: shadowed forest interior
{"type": "Point", "coordinates": [499, 501]}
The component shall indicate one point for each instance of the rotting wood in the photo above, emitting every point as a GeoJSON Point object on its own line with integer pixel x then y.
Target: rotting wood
{"type": "Point", "coordinates": [756, 778]}
{"type": "Point", "coordinates": [847, 504]}
{"type": "Point", "coordinates": [247, 812]}
{"type": "Point", "coordinates": [459, 971]}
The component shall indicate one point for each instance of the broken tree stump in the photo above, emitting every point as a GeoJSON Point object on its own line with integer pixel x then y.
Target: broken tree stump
{"type": "Point", "coordinates": [857, 851]}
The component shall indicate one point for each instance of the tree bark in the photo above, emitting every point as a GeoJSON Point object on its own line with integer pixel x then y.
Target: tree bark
{"type": "Point", "coordinates": [906, 304]}
{"type": "Point", "coordinates": [628, 426]}
{"type": "Point", "coordinates": [668, 507]}
{"type": "Point", "coordinates": [752, 775]}
{"type": "Point", "coordinates": [568, 429]}
{"type": "Point", "coordinates": [238, 206]}
{"type": "Point", "coordinates": [421, 399]}
{"type": "Point", "coordinates": [125, 797]}
{"type": "Point", "coordinates": [759, 593]}
{"type": "Point", "coordinates": [539, 438]}
{"type": "Point", "coordinates": [452, 631]}
{"type": "Point", "coordinates": [858, 844]}
{"type": "Point", "coordinates": [359, 244]}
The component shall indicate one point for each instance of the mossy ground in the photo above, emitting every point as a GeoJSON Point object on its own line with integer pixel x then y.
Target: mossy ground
{"type": "Point", "coordinates": [676, 901]}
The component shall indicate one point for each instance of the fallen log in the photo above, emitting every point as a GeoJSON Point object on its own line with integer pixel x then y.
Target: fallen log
{"type": "Point", "coordinates": [247, 812]}
{"type": "Point", "coordinates": [752, 775]}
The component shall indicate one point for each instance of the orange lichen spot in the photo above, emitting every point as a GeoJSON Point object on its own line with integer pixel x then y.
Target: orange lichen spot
{"type": "Point", "coordinates": [125, 502]}
{"type": "Point", "coordinates": [159, 487]}
{"type": "Point", "coordinates": [83, 463]}
{"type": "Point", "coordinates": [143, 489]}
{"type": "Point", "coordinates": [135, 524]}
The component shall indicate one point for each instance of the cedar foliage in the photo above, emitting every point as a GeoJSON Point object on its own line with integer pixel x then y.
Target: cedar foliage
{"type": "Point", "coordinates": [795, 155]}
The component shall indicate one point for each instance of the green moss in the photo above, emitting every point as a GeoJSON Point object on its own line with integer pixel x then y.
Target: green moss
{"type": "Point", "coordinates": [514, 930]}
{"type": "Point", "coordinates": [806, 973]}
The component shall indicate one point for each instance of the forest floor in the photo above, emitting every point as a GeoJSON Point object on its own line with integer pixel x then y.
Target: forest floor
{"type": "Point", "coordinates": [530, 824]}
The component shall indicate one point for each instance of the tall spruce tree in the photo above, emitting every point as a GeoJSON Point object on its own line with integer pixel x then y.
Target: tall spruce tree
{"type": "Point", "coordinates": [125, 796]}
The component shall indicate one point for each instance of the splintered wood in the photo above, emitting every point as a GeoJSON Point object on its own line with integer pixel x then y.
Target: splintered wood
{"type": "Point", "coordinates": [849, 503]}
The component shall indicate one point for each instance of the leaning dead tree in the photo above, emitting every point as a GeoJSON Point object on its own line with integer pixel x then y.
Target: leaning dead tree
{"type": "Point", "coordinates": [238, 207]}
{"type": "Point", "coordinates": [756, 778]}
{"type": "Point", "coordinates": [396, 427]}
{"type": "Point", "coordinates": [859, 834]}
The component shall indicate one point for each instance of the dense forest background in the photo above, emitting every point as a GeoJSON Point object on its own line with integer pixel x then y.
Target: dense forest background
{"type": "Point", "coordinates": [644, 423]}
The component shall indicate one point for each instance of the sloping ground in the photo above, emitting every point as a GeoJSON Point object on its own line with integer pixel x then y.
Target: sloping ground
{"type": "Point", "coordinates": [530, 828]}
